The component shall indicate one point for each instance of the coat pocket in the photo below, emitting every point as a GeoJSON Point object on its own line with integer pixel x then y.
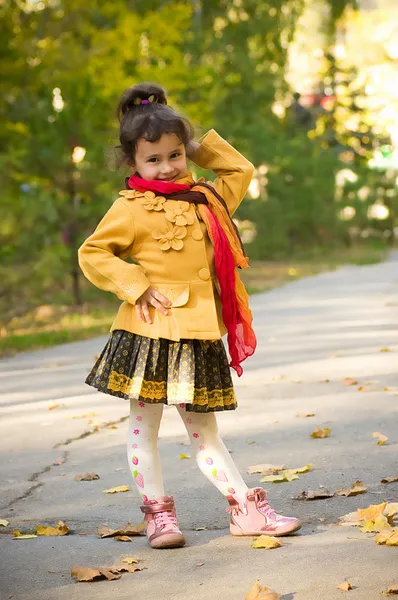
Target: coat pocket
{"type": "Point", "coordinates": [177, 293]}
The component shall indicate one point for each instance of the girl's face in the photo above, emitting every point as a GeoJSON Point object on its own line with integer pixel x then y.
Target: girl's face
{"type": "Point", "coordinates": [164, 160]}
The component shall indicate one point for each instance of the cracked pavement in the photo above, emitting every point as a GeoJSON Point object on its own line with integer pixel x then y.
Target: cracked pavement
{"type": "Point", "coordinates": [321, 328]}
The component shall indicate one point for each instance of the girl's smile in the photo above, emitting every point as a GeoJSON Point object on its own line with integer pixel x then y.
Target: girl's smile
{"type": "Point", "coordinates": [164, 160]}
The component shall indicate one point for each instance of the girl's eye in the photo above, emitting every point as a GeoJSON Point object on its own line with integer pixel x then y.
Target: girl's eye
{"type": "Point", "coordinates": [176, 155]}
{"type": "Point", "coordinates": [152, 160]}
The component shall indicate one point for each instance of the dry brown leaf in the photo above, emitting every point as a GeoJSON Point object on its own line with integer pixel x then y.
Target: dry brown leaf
{"type": "Point", "coordinates": [118, 488]}
{"type": "Point", "coordinates": [127, 568]}
{"type": "Point", "coordinates": [305, 415]}
{"type": "Point", "coordinates": [265, 469]}
{"type": "Point", "coordinates": [347, 381]}
{"type": "Point", "coordinates": [130, 560]}
{"type": "Point", "coordinates": [345, 587]}
{"type": "Point", "coordinates": [391, 509]}
{"type": "Point", "coordinates": [53, 406]}
{"type": "Point", "coordinates": [314, 495]}
{"type": "Point", "coordinates": [182, 456]}
{"type": "Point", "coordinates": [4, 522]}
{"type": "Point", "coordinates": [285, 476]}
{"type": "Point", "coordinates": [123, 538]}
{"type": "Point", "coordinates": [382, 438]}
{"type": "Point", "coordinates": [87, 477]}
{"type": "Point", "coordinates": [261, 592]}
{"type": "Point", "coordinates": [356, 488]}
{"type": "Point", "coordinates": [267, 542]}
{"type": "Point", "coordinates": [391, 590]}
{"type": "Point", "coordinates": [321, 433]}
{"type": "Point", "coordinates": [89, 574]}
{"type": "Point", "coordinates": [61, 529]}
{"type": "Point", "coordinates": [128, 529]}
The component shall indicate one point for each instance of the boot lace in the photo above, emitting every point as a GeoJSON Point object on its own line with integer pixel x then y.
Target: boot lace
{"type": "Point", "coordinates": [165, 519]}
{"type": "Point", "coordinates": [266, 509]}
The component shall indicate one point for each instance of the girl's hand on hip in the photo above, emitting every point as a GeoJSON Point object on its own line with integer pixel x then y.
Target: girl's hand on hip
{"type": "Point", "coordinates": [154, 298]}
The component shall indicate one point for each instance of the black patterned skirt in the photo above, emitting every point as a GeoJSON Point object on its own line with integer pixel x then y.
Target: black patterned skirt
{"type": "Point", "coordinates": [195, 373]}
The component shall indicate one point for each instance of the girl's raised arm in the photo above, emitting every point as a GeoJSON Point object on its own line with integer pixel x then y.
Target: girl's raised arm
{"type": "Point", "coordinates": [234, 171]}
{"type": "Point", "coordinates": [101, 255]}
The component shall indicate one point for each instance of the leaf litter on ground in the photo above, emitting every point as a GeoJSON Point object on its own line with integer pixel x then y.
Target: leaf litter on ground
{"type": "Point", "coordinates": [356, 488]}
{"type": "Point", "coordinates": [391, 590]}
{"type": "Point", "coordinates": [87, 477]}
{"type": "Point", "coordinates": [118, 488]}
{"type": "Point", "coordinates": [381, 437]}
{"type": "Point", "coordinates": [389, 479]}
{"type": "Point", "coordinates": [321, 433]}
{"type": "Point", "coordinates": [345, 587]}
{"type": "Point", "coordinates": [314, 495]}
{"type": "Point", "coordinates": [267, 542]}
{"type": "Point", "coordinates": [60, 529]}
{"type": "Point", "coordinates": [86, 574]}
{"type": "Point", "coordinates": [262, 592]}
{"type": "Point", "coordinates": [128, 529]}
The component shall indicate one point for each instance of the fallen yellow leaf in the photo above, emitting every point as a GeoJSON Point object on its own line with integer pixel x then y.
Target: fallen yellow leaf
{"type": "Point", "coordinates": [87, 477]}
{"type": "Point", "coordinates": [53, 406]}
{"type": "Point", "coordinates": [182, 456]}
{"type": "Point", "coordinates": [123, 538]}
{"type": "Point", "coordinates": [391, 509]}
{"type": "Point", "coordinates": [321, 433]}
{"type": "Point", "coordinates": [391, 590]}
{"type": "Point", "coordinates": [61, 529]}
{"type": "Point", "coordinates": [368, 526]}
{"type": "Point", "coordinates": [389, 479]}
{"type": "Point", "coordinates": [345, 587]}
{"type": "Point", "coordinates": [89, 574]}
{"type": "Point", "coordinates": [385, 350]}
{"type": "Point", "coordinates": [371, 512]}
{"type": "Point", "coordinates": [261, 592]}
{"type": "Point", "coordinates": [356, 488]}
{"type": "Point", "coordinates": [382, 438]}
{"type": "Point", "coordinates": [267, 542]}
{"type": "Point", "coordinates": [4, 522]}
{"type": "Point", "coordinates": [265, 469]}
{"type": "Point", "coordinates": [304, 469]}
{"type": "Point", "coordinates": [249, 443]}
{"type": "Point", "coordinates": [90, 414]}
{"type": "Point", "coordinates": [128, 529]}
{"type": "Point", "coordinates": [130, 560]}
{"type": "Point", "coordinates": [26, 536]}
{"type": "Point", "coordinates": [285, 476]}
{"type": "Point", "coordinates": [388, 537]}
{"type": "Point", "coordinates": [347, 381]}
{"type": "Point", "coordinates": [363, 389]}
{"type": "Point", "coordinates": [305, 415]}
{"type": "Point", "coordinates": [119, 488]}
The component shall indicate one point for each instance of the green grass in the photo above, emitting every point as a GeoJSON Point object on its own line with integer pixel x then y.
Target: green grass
{"type": "Point", "coordinates": [49, 325]}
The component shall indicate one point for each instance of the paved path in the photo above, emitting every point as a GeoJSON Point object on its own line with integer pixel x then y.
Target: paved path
{"type": "Point", "coordinates": [326, 327]}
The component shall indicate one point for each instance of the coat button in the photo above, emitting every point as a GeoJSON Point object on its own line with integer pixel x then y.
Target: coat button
{"type": "Point", "coordinates": [197, 235]}
{"type": "Point", "coordinates": [204, 274]}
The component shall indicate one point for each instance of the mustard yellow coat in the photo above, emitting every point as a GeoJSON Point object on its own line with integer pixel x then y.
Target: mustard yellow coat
{"type": "Point", "coordinates": [141, 228]}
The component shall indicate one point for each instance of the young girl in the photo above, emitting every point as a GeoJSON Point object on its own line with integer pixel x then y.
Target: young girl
{"type": "Point", "coordinates": [181, 294]}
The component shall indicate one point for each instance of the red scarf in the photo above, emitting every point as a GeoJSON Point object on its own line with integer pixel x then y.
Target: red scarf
{"type": "Point", "coordinates": [235, 311]}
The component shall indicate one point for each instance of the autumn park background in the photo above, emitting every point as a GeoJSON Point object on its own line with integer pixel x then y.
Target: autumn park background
{"type": "Point", "coordinates": [306, 89]}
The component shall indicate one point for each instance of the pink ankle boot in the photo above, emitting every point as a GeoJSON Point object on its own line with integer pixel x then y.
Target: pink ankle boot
{"type": "Point", "coordinates": [162, 526]}
{"type": "Point", "coordinates": [255, 516]}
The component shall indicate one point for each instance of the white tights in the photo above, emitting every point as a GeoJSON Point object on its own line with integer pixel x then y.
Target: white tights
{"type": "Point", "coordinates": [210, 452]}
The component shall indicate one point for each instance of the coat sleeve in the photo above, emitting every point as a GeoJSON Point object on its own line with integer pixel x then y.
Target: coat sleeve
{"type": "Point", "coordinates": [234, 171]}
{"type": "Point", "coordinates": [101, 256]}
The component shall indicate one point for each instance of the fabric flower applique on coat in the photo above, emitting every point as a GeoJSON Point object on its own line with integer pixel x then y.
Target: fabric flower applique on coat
{"type": "Point", "coordinates": [178, 212]}
{"type": "Point", "coordinates": [170, 239]}
{"type": "Point", "coordinates": [152, 202]}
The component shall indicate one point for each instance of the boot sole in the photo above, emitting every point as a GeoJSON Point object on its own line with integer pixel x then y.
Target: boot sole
{"type": "Point", "coordinates": [270, 533]}
{"type": "Point", "coordinates": [168, 542]}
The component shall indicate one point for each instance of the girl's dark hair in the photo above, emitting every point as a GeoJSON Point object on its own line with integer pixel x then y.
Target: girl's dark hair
{"type": "Point", "coordinates": [149, 120]}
